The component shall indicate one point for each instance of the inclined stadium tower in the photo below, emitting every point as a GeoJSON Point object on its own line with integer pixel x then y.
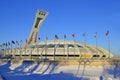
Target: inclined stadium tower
{"type": "Point", "coordinates": [55, 49]}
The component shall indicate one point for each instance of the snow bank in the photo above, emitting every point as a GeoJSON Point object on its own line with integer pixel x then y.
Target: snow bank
{"type": "Point", "coordinates": [56, 71]}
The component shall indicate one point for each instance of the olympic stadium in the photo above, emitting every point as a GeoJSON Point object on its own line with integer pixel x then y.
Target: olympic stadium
{"type": "Point", "coordinates": [55, 49]}
{"type": "Point", "coordinates": [60, 49]}
{"type": "Point", "coordinates": [70, 56]}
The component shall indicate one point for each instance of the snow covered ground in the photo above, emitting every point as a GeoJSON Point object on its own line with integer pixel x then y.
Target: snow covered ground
{"type": "Point", "coordinates": [29, 70]}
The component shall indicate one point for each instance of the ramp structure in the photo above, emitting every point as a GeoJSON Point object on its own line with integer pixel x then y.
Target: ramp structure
{"type": "Point", "coordinates": [33, 37]}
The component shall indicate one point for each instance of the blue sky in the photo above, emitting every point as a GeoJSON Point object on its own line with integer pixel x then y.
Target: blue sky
{"type": "Point", "coordinates": [65, 17]}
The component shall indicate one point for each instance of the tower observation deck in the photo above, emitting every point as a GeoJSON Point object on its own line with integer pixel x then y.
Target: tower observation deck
{"type": "Point", "coordinates": [33, 38]}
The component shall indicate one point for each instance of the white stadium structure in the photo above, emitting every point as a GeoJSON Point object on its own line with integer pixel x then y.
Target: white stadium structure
{"type": "Point", "coordinates": [60, 49]}
{"type": "Point", "coordinates": [56, 49]}
{"type": "Point", "coordinates": [57, 59]}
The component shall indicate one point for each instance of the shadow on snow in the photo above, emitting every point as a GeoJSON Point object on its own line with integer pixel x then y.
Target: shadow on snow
{"type": "Point", "coordinates": [19, 74]}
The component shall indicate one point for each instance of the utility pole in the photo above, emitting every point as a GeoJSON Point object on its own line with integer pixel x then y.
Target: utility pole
{"type": "Point", "coordinates": [46, 46]}
{"type": "Point", "coordinates": [84, 36]}
{"type": "Point", "coordinates": [64, 43]}
{"type": "Point", "coordinates": [108, 37]}
{"type": "Point", "coordinates": [73, 35]}
{"type": "Point", "coordinates": [96, 36]}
